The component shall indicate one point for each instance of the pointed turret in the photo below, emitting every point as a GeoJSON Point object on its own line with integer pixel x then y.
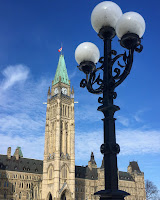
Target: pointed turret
{"type": "Point", "coordinates": [102, 165]}
{"type": "Point", "coordinates": [92, 159]}
{"type": "Point", "coordinates": [133, 167]}
{"type": "Point", "coordinates": [49, 91]}
{"type": "Point", "coordinates": [61, 72]}
{"type": "Point", "coordinates": [72, 92]}
{"type": "Point", "coordinates": [92, 162]}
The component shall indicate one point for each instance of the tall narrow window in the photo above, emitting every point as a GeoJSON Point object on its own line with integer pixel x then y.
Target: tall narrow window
{"type": "Point", "coordinates": [64, 172]}
{"type": "Point", "coordinates": [20, 195]}
{"type": "Point", "coordinates": [36, 193]}
{"type": "Point", "coordinates": [61, 137]}
{"type": "Point", "coordinates": [67, 142]}
{"type": "Point", "coordinates": [50, 173]}
{"type": "Point", "coordinates": [13, 188]}
{"type": "Point", "coordinates": [5, 195]}
{"type": "Point", "coordinates": [65, 110]}
{"type": "Point", "coordinates": [27, 197]}
{"type": "Point", "coordinates": [68, 111]}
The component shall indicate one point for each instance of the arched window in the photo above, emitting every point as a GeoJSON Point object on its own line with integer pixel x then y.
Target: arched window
{"type": "Point", "coordinates": [50, 173]}
{"type": "Point", "coordinates": [68, 111]}
{"type": "Point", "coordinates": [50, 197]}
{"type": "Point", "coordinates": [5, 184]}
{"type": "Point", "coordinates": [27, 196]}
{"type": "Point", "coordinates": [5, 195]}
{"type": "Point", "coordinates": [64, 172]}
{"type": "Point", "coordinates": [13, 190]}
{"type": "Point", "coordinates": [20, 195]}
{"type": "Point", "coordinates": [36, 193]}
{"type": "Point", "coordinates": [63, 110]}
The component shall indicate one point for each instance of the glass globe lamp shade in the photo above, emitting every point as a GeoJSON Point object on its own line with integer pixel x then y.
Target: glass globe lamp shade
{"type": "Point", "coordinates": [87, 51]}
{"type": "Point", "coordinates": [104, 14]}
{"type": "Point", "coordinates": [130, 22]}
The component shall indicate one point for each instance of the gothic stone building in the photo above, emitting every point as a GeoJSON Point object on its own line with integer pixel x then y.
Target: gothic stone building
{"type": "Point", "coordinates": [57, 177]}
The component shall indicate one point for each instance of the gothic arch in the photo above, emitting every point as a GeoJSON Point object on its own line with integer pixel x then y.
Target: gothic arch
{"type": "Point", "coordinates": [66, 125]}
{"type": "Point", "coordinates": [49, 196]}
{"type": "Point", "coordinates": [64, 174]}
{"type": "Point", "coordinates": [63, 197]}
{"type": "Point", "coordinates": [65, 164]}
{"type": "Point", "coordinates": [66, 194]}
{"type": "Point", "coordinates": [50, 171]}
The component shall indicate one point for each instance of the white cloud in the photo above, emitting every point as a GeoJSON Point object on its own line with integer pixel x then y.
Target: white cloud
{"type": "Point", "coordinates": [72, 74]}
{"type": "Point", "coordinates": [87, 112]}
{"type": "Point", "coordinates": [123, 120]}
{"type": "Point", "coordinates": [88, 142]}
{"type": "Point", "coordinates": [138, 141]}
{"type": "Point", "coordinates": [14, 74]}
{"type": "Point", "coordinates": [21, 123]}
{"type": "Point", "coordinates": [132, 142]}
{"type": "Point", "coordinates": [22, 113]}
{"type": "Point", "coordinates": [138, 115]}
{"type": "Point", "coordinates": [31, 147]}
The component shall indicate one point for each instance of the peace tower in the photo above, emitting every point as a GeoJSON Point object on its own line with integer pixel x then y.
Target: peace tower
{"type": "Point", "coordinates": [59, 151]}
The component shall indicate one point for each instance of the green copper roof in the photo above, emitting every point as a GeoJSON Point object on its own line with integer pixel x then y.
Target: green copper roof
{"type": "Point", "coordinates": [61, 72]}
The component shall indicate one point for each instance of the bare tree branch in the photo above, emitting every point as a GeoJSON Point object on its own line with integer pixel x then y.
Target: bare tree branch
{"type": "Point", "coordinates": [151, 191]}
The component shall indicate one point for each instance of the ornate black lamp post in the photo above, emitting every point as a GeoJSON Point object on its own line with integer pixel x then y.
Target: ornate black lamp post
{"type": "Point", "coordinates": [107, 20]}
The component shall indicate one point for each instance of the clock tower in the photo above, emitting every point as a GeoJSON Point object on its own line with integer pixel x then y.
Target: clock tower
{"type": "Point", "coordinates": [59, 151]}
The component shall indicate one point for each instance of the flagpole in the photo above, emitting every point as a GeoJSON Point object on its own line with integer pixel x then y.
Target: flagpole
{"type": "Point", "coordinates": [62, 48]}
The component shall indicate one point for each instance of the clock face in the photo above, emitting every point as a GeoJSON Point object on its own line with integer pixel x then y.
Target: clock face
{"type": "Point", "coordinates": [64, 91]}
{"type": "Point", "coordinates": [56, 91]}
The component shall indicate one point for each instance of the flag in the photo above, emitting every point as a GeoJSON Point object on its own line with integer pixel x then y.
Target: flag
{"type": "Point", "coordinates": [59, 50]}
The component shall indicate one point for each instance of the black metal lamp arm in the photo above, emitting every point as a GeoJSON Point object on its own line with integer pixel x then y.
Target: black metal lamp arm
{"type": "Point", "coordinates": [91, 78]}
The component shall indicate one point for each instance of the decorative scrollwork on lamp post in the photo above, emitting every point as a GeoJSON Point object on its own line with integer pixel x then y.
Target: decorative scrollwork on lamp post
{"type": "Point", "coordinates": [107, 20]}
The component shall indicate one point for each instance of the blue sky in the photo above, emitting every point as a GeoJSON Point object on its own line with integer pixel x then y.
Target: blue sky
{"type": "Point", "coordinates": [31, 33]}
